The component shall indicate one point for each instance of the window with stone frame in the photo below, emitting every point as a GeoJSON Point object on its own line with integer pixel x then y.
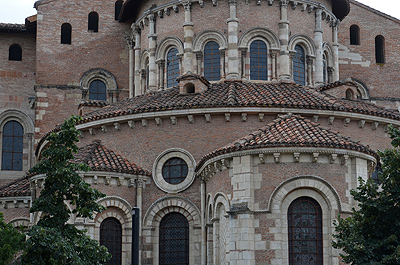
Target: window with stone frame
{"type": "Point", "coordinates": [66, 33]}
{"type": "Point", "coordinates": [299, 66]}
{"type": "Point", "coordinates": [175, 170]}
{"type": "Point", "coordinates": [93, 22]}
{"type": "Point", "coordinates": [212, 65]}
{"type": "Point", "coordinates": [15, 53]}
{"type": "Point", "coordinates": [111, 238]}
{"type": "Point", "coordinates": [97, 90]}
{"type": "Point", "coordinates": [305, 232]}
{"type": "Point", "coordinates": [354, 35]}
{"type": "Point", "coordinates": [174, 240]}
{"type": "Point", "coordinates": [172, 67]}
{"type": "Point", "coordinates": [380, 49]}
{"type": "Point", "coordinates": [12, 146]}
{"type": "Point", "coordinates": [118, 8]}
{"type": "Point", "coordinates": [258, 60]}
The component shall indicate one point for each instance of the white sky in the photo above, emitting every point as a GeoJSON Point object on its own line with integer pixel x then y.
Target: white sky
{"type": "Point", "coordinates": [15, 11]}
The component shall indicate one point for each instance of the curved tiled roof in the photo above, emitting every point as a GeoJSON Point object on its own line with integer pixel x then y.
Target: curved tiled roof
{"type": "Point", "coordinates": [238, 94]}
{"type": "Point", "coordinates": [19, 187]}
{"type": "Point", "coordinates": [93, 103]}
{"type": "Point", "coordinates": [99, 158]}
{"type": "Point", "coordinates": [290, 131]}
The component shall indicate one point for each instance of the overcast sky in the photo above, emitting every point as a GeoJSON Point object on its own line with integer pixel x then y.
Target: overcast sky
{"type": "Point", "coordinates": [15, 11]}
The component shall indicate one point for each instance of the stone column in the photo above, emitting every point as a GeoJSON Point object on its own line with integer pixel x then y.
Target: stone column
{"type": "Point", "coordinates": [216, 240]}
{"type": "Point", "coordinates": [188, 36]}
{"type": "Point", "coordinates": [233, 51]}
{"type": "Point", "coordinates": [143, 75]}
{"type": "Point", "coordinates": [284, 59]}
{"type": "Point", "coordinates": [138, 88]}
{"type": "Point", "coordinates": [130, 44]}
{"type": "Point", "coordinates": [199, 59]}
{"type": "Point", "coordinates": [161, 73]}
{"type": "Point", "coordinates": [319, 64]}
{"type": "Point", "coordinates": [30, 149]}
{"type": "Point", "coordinates": [203, 224]}
{"type": "Point", "coordinates": [274, 57]}
{"type": "Point", "coordinates": [152, 53]}
{"type": "Point", "coordinates": [310, 63]}
{"type": "Point", "coordinates": [335, 52]}
{"type": "Point", "coordinates": [139, 203]}
{"type": "Point", "coordinates": [222, 62]}
{"type": "Point", "coordinates": [243, 51]}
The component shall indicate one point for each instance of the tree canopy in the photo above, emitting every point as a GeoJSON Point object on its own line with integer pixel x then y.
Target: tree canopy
{"type": "Point", "coordinates": [11, 241]}
{"type": "Point", "coordinates": [371, 235]}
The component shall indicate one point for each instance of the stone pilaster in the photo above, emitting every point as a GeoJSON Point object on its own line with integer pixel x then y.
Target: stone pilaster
{"type": "Point", "coordinates": [130, 45]}
{"type": "Point", "coordinates": [152, 53]}
{"type": "Point", "coordinates": [274, 58]}
{"type": "Point", "coordinates": [188, 36]}
{"type": "Point", "coordinates": [199, 59]}
{"type": "Point", "coordinates": [309, 65]}
{"type": "Point", "coordinates": [233, 51]}
{"type": "Point", "coordinates": [138, 88]}
{"type": "Point", "coordinates": [222, 63]}
{"type": "Point", "coordinates": [161, 73]}
{"type": "Point", "coordinates": [335, 44]}
{"type": "Point", "coordinates": [243, 52]}
{"type": "Point", "coordinates": [319, 64]}
{"type": "Point", "coordinates": [284, 59]}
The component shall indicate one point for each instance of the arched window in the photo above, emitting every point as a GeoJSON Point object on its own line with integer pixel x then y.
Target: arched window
{"type": "Point", "coordinates": [172, 67]}
{"type": "Point", "coordinates": [12, 153]}
{"type": "Point", "coordinates": [305, 232]}
{"type": "Point", "coordinates": [15, 53]}
{"type": "Point", "coordinates": [66, 33]}
{"type": "Point", "coordinates": [258, 60]}
{"type": "Point", "coordinates": [97, 90]}
{"type": "Point", "coordinates": [349, 94]}
{"type": "Point", "coordinates": [354, 35]}
{"type": "Point", "coordinates": [118, 7]}
{"type": "Point", "coordinates": [111, 238]}
{"type": "Point", "coordinates": [380, 49]}
{"type": "Point", "coordinates": [212, 66]}
{"type": "Point", "coordinates": [93, 22]}
{"type": "Point", "coordinates": [174, 240]}
{"type": "Point", "coordinates": [299, 66]}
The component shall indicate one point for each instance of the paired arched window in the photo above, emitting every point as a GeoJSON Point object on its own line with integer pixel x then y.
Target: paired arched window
{"type": "Point", "coordinates": [118, 7]}
{"type": "Point", "coordinates": [97, 90]}
{"type": "Point", "coordinates": [12, 146]}
{"type": "Point", "coordinates": [174, 240]}
{"type": "Point", "coordinates": [380, 49]}
{"type": "Point", "coordinates": [305, 232]}
{"type": "Point", "coordinates": [212, 65]}
{"type": "Point", "coordinates": [172, 67]}
{"type": "Point", "coordinates": [66, 33]}
{"type": "Point", "coordinates": [15, 53]}
{"type": "Point", "coordinates": [111, 238]}
{"type": "Point", "coordinates": [258, 60]}
{"type": "Point", "coordinates": [354, 35]}
{"type": "Point", "coordinates": [93, 22]}
{"type": "Point", "coordinates": [299, 66]}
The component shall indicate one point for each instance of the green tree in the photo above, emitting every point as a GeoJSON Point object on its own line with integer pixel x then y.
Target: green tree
{"type": "Point", "coordinates": [371, 235]}
{"type": "Point", "coordinates": [11, 241]}
{"type": "Point", "coordinates": [52, 240]}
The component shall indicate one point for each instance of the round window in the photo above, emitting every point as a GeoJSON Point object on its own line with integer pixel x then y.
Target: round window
{"type": "Point", "coordinates": [175, 170]}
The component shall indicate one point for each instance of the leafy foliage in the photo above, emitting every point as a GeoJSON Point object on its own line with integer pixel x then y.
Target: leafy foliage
{"type": "Point", "coordinates": [11, 241]}
{"type": "Point", "coordinates": [52, 240]}
{"type": "Point", "coordinates": [372, 234]}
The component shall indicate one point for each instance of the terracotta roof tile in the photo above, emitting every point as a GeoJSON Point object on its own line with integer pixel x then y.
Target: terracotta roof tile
{"type": "Point", "coordinates": [93, 103]}
{"type": "Point", "coordinates": [19, 187]}
{"type": "Point", "coordinates": [290, 131]}
{"type": "Point", "coordinates": [99, 158]}
{"type": "Point", "coordinates": [9, 27]}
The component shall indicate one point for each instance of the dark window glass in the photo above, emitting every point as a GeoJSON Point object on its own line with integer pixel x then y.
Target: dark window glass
{"type": "Point", "coordinates": [305, 232]}
{"type": "Point", "coordinates": [12, 152]}
{"type": "Point", "coordinates": [174, 240]}
{"type": "Point", "coordinates": [349, 94]}
{"type": "Point", "coordinates": [380, 49]}
{"type": "Point", "coordinates": [97, 90]}
{"type": "Point", "coordinates": [299, 66]}
{"type": "Point", "coordinates": [118, 7]}
{"type": "Point", "coordinates": [172, 67]}
{"type": "Point", "coordinates": [66, 33]}
{"type": "Point", "coordinates": [111, 238]}
{"type": "Point", "coordinates": [325, 66]}
{"type": "Point", "coordinates": [258, 60]}
{"type": "Point", "coordinates": [93, 22]}
{"type": "Point", "coordinates": [15, 53]}
{"type": "Point", "coordinates": [354, 35]}
{"type": "Point", "coordinates": [376, 173]}
{"type": "Point", "coordinates": [175, 170]}
{"type": "Point", "coordinates": [212, 66]}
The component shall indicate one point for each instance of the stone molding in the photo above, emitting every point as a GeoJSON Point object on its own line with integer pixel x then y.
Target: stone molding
{"type": "Point", "coordinates": [306, 42]}
{"type": "Point", "coordinates": [166, 44]}
{"type": "Point", "coordinates": [209, 35]}
{"type": "Point", "coordinates": [259, 33]}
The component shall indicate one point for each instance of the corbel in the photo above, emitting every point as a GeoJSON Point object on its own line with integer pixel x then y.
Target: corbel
{"type": "Point", "coordinates": [158, 121]}
{"type": "Point", "coordinates": [3, 204]}
{"type": "Point", "coordinates": [303, 7]}
{"type": "Point", "coordinates": [375, 125]}
{"type": "Point", "coordinates": [227, 117]}
{"type": "Point", "coordinates": [144, 122]}
{"type": "Point", "coordinates": [315, 118]}
{"type": "Point", "coordinates": [120, 180]}
{"type": "Point", "coordinates": [387, 128]}
{"type": "Point", "coordinates": [117, 126]}
{"type": "Point", "coordinates": [175, 8]}
{"type": "Point", "coordinates": [260, 117]}
{"type": "Point", "coordinates": [92, 131]}
{"type": "Point", "coordinates": [160, 13]}
{"type": "Point", "coordinates": [296, 157]}
{"type": "Point", "coordinates": [244, 117]}
{"type": "Point", "coordinates": [361, 123]}
{"type": "Point", "coordinates": [208, 117]}
{"type": "Point", "coordinates": [346, 121]}
{"type": "Point", "coordinates": [258, 2]}
{"type": "Point", "coordinates": [218, 166]}
{"type": "Point", "coordinates": [104, 128]}
{"type": "Point", "coordinates": [345, 159]}
{"type": "Point", "coordinates": [201, 3]}
{"type": "Point", "coordinates": [166, 11]}
{"type": "Point", "coordinates": [315, 157]}
{"type": "Point", "coordinates": [190, 119]}
{"type": "Point", "coordinates": [15, 203]}
{"type": "Point", "coordinates": [214, 2]}
{"type": "Point", "coordinates": [310, 9]}
{"type": "Point", "coordinates": [225, 163]}
{"type": "Point", "coordinates": [330, 120]}
{"type": "Point", "coordinates": [95, 180]}
{"type": "Point", "coordinates": [173, 120]}
{"type": "Point", "coordinates": [26, 203]}
{"type": "Point", "coordinates": [277, 157]}
{"type": "Point", "coordinates": [270, 2]}
{"type": "Point", "coordinates": [262, 158]}
{"type": "Point", "coordinates": [332, 158]}
{"type": "Point", "coordinates": [108, 180]}
{"type": "Point", "coordinates": [294, 5]}
{"type": "Point", "coordinates": [131, 124]}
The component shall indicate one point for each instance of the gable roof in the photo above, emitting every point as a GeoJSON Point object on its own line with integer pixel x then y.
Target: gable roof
{"type": "Point", "coordinates": [290, 131]}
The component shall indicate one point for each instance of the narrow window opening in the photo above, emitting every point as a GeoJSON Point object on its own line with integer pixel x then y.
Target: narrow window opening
{"type": "Point", "coordinates": [93, 22]}
{"type": "Point", "coordinates": [118, 7]}
{"type": "Point", "coordinates": [111, 238]}
{"type": "Point", "coordinates": [97, 90]}
{"type": "Point", "coordinates": [349, 94]}
{"type": "Point", "coordinates": [172, 67]}
{"type": "Point", "coordinates": [15, 53]}
{"type": "Point", "coordinates": [189, 88]}
{"type": "Point", "coordinates": [380, 49]}
{"type": "Point", "coordinates": [299, 66]}
{"type": "Point", "coordinates": [212, 61]}
{"type": "Point", "coordinates": [354, 35]}
{"type": "Point", "coordinates": [12, 153]}
{"type": "Point", "coordinates": [66, 33]}
{"type": "Point", "coordinates": [258, 60]}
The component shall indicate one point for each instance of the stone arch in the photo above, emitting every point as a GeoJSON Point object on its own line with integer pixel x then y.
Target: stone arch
{"type": "Point", "coordinates": [362, 89]}
{"type": "Point", "coordinates": [209, 208]}
{"type": "Point", "coordinates": [265, 34]}
{"type": "Point", "coordinates": [121, 204]}
{"type": "Point", "coordinates": [144, 58]}
{"type": "Point", "coordinates": [100, 74]}
{"type": "Point", "coordinates": [209, 35]}
{"type": "Point", "coordinates": [17, 115]}
{"type": "Point", "coordinates": [220, 198]}
{"type": "Point", "coordinates": [328, 50]}
{"type": "Point", "coordinates": [166, 44]}
{"type": "Point", "coordinates": [306, 42]}
{"type": "Point", "coordinates": [20, 222]}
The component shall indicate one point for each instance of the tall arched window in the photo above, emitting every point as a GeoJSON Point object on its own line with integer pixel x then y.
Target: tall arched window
{"type": "Point", "coordinates": [305, 232]}
{"type": "Point", "coordinates": [15, 53]}
{"type": "Point", "coordinates": [212, 65]}
{"type": "Point", "coordinates": [299, 66]}
{"type": "Point", "coordinates": [12, 153]}
{"type": "Point", "coordinates": [380, 49]}
{"type": "Point", "coordinates": [354, 35]}
{"type": "Point", "coordinates": [325, 68]}
{"type": "Point", "coordinates": [66, 33]}
{"type": "Point", "coordinates": [111, 238]}
{"type": "Point", "coordinates": [118, 7]}
{"type": "Point", "coordinates": [174, 240]}
{"type": "Point", "coordinates": [97, 90]}
{"type": "Point", "coordinates": [93, 22]}
{"type": "Point", "coordinates": [172, 67]}
{"type": "Point", "coordinates": [258, 60]}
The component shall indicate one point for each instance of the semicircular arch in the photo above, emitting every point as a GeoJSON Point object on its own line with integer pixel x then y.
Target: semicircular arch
{"type": "Point", "coordinates": [166, 44]}
{"type": "Point", "coordinates": [306, 42]}
{"type": "Point", "coordinates": [259, 32]}
{"type": "Point", "coordinates": [209, 35]}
